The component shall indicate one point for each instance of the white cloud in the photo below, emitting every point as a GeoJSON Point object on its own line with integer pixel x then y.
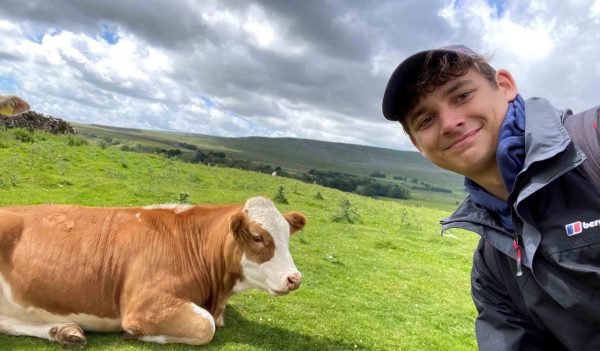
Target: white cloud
{"type": "Point", "coordinates": [450, 14]}
{"type": "Point", "coordinates": [278, 68]}
{"type": "Point", "coordinates": [595, 11]}
{"type": "Point", "coordinates": [531, 40]}
{"type": "Point", "coordinates": [257, 25]}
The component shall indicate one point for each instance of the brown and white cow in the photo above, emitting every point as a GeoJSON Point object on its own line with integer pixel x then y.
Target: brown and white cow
{"type": "Point", "coordinates": [161, 274]}
{"type": "Point", "coordinates": [12, 105]}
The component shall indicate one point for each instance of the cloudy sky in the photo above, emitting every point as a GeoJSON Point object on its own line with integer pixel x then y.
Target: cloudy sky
{"type": "Point", "coordinates": [306, 69]}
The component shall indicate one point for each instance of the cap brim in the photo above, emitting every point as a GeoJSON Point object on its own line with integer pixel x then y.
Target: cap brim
{"type": "Point", "coordinates": [405, 76]}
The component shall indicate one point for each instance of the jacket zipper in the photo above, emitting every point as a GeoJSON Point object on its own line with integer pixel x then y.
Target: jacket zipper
{"type": "Point", "coordinates": [516, 246]}
{"type": "Point", "coordinates": [518, 249]}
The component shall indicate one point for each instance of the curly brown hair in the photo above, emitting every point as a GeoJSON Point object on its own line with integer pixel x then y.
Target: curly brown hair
{"type": "Point", "coordinates": [438, 68]}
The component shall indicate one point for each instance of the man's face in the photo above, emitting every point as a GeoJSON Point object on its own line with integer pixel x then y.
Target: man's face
{"type": "Point", "coordinates": [456, 126]}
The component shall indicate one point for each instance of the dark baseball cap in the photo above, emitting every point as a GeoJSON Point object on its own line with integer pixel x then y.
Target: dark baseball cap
{"type": "Point", "coordinates": [405, 76]}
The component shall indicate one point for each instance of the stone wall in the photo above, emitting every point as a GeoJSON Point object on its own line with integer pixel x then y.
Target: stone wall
{"type": "Point", "coordinates": [34, 120]}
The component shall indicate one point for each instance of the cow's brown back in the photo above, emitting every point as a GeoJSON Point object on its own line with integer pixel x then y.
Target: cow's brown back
{"type": "Point", "coordinates": [71, 259]}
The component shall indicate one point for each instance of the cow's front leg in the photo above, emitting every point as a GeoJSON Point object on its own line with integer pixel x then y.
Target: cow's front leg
{"type": "Point", "coordinates": [218, 312]}
{"type": "Point", "coordinates": [219, 321]}
{"type": "Point", "coordinates": [68, 335]}
{"type": "Point", "coordinates": [176, 322]}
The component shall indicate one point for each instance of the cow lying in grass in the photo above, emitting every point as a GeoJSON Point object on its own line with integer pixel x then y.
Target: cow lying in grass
{"type": "Point", "coordinates": [161, 274]}
{"type": "Point", "coordinates": [12, 105]}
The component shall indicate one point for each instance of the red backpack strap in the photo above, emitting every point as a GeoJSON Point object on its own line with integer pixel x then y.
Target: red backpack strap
{"type": "Point", "coordinates": [584, 129]}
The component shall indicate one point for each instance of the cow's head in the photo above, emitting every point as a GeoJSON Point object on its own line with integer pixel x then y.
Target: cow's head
{"type": "Point", "coordinates": [263, 235]}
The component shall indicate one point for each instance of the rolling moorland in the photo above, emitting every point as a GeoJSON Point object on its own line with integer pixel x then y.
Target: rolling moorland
{"type": "Point", "coordinates": [377, 275]}
{"type": "Point", "coordinates": [297, 157]}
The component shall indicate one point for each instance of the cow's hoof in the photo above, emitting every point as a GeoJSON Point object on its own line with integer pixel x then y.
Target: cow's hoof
{"type": "Point", "coordinates": [129, 337]}
{"type": "Point", "coordinates": [220, 322]}
{"type": "Point", "coordinates": [69, 336]}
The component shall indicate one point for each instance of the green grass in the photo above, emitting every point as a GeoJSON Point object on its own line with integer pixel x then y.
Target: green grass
{"type": "Point", "coordinates": [295, 155]}
{"type": "Point", "coordinates": [390, 282]}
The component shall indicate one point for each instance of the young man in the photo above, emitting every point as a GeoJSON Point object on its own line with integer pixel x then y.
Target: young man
{"type": "Point", "coordinates": [533, 196]}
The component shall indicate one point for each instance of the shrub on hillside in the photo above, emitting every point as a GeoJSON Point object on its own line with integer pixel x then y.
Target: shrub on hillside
{"type": "Point", "coordinates": [195, 179]}
{"type": "Point", "coordinates": [173, 153]}
{"type": "Point", "coordinates": [13, 180]}
{"type": "Point", "coordinates": [428, 187]}
{"type": "Point", "coordinates": [23, 136]}
{"type": "Point", "coordinates": [377, 174]}
{"type": "Point", "coordinates": [387, 190]}
{"type": "Point", "coordinates": [280, 196]}
{"type": "Point", "coordinates": [408, 220]}
{"type": "Point", "coordinates": [346, 213]}
{"type": "Point", "coordinates": [183, 197]}
{"type": "Point", "coordinates": [76, 141]}
{"type": "Point", "coordinates": [187, 146]}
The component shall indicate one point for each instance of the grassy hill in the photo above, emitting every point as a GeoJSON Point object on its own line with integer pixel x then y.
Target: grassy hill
{"type": "Point", "coordinates": [389, 282]}
{"type": "Point", "coordinates": [298, 155]}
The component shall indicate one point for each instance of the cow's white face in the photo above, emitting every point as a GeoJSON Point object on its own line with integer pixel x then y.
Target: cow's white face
{"type": "Point", "coordinates": [266, 260]}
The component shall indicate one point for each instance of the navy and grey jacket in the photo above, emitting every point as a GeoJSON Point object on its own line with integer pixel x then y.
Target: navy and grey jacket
{"type": "Point", "coordinates": [555, 303]}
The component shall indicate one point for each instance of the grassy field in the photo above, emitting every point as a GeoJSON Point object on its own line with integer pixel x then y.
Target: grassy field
{"type": "Point", "coordinates": [390, 282]}
{"type": "Point", "coordinates": [295, 155]}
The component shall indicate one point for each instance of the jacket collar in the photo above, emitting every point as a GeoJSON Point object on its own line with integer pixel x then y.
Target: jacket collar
{"type": "Point", "coordinates": [545, 138]}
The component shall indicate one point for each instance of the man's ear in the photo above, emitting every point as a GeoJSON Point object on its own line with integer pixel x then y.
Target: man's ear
{"type": "Point", "coordinates": [296, 220]}
{"type": "Point", "coordinates": [507, 84]}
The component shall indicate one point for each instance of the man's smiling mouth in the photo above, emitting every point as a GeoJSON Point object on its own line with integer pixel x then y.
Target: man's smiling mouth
{"type": "Point", "coordinates": [463, 138]}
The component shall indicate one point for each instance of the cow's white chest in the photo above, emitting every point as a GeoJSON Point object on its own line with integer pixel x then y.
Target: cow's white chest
{"type": "Point", "coordinates": [8, 307]}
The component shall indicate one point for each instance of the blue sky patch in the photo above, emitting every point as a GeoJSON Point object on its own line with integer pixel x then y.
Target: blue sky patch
{"type": "Point", "coordinates": [207, 102]}
{"type": "Point", "coordinates": [499, 7]}
{"type": "Point", "coordinates": [251, 127]}
{"type": "Point", "coordinates": [111, 36]}
{"type": "Point", "coordinates": [8, 84]}
{"type": "Point", "coordinates": [39, 37]}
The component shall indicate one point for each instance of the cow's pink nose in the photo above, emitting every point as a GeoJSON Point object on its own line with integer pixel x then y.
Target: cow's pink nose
{"type": "Point", "coordinates": [294, 280]}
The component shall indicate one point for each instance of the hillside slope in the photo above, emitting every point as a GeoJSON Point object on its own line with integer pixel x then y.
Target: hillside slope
{"type": "Point", "coordinates": [292, 154]}
{"type": "Point", "coordinates": [389, 282]}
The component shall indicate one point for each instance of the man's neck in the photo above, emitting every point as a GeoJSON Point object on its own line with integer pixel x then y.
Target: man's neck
{"type": "Point", "coordinates": [493, 183]}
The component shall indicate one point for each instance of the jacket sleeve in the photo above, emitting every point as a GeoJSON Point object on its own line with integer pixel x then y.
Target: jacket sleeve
{"type": "Point", "coordinates": [500, 324]}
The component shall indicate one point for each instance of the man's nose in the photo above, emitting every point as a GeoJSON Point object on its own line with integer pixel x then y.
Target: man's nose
{"type": "Point", "coordinates": [451, 120]}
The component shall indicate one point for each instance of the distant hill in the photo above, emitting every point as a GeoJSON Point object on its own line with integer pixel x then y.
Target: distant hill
{"type": "Point", "coordinates": [299, 155]}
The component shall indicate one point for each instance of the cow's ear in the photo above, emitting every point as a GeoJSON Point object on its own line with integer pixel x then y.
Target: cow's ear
{"type": "Point", "coordinates": [238, 225]}
{"type": "Point", "coordinates": [296, 220]}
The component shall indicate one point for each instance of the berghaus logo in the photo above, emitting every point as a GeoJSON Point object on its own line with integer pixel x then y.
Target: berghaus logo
{"type": "Point", "coordinates": [573, 228]}
{"type": "Point", "coordinates": [578, 227]}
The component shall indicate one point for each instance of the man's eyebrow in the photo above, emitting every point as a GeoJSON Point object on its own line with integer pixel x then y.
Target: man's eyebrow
{"type": "Point", "coordinates": [411, 115]}
{"type": "Point", "coordinates": [455, 86]}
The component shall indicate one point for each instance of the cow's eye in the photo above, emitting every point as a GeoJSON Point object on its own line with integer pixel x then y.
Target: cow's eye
{"type": "Point", "coordinates": [258, 238]}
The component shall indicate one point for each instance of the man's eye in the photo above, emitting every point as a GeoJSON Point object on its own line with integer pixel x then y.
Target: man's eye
{"type": "Point", "coordinates": [425, 121]}
{"type": "Point", "coordinates": [463, 97]}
